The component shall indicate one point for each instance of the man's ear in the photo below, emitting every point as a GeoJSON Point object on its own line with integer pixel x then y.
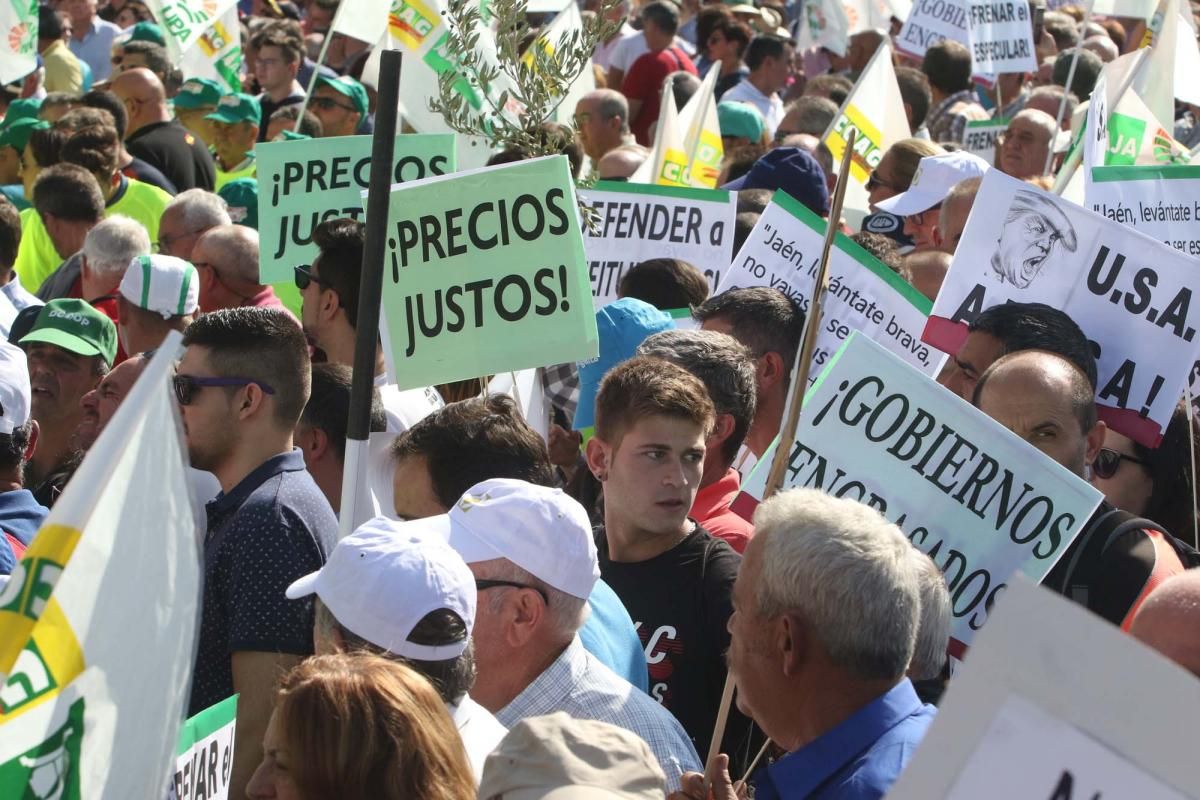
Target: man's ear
{"type": "Point", "coordinates": [599, 458]}
{"type": "Point", "coordinates": [34, 433]}
{"type": "Point", "coordinates": [1095, 440]}
{"type": "Point", "coordinates": [722, 430]}
{"type": "Point", "coordinates": [771, 370]}
{"type": "Point", "coordinates": [254, 400]}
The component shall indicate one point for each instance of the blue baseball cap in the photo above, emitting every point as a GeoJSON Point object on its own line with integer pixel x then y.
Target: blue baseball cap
{"type": "Point", "coordinates": [622, 326]}
{"type": "Point", "coordinates": [793, 170]}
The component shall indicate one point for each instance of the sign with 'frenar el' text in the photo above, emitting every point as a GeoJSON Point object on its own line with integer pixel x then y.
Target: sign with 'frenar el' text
{"type": "Point", "coordinates": [1131, 295]}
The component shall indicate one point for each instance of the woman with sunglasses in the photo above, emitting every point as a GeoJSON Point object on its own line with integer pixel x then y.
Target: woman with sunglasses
{"type": "Point", "coordinates": [894, 172]}
{"type": "Point", "coordinates": [1151, 483]}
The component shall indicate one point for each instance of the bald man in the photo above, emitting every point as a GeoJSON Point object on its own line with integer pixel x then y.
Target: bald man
{"type": "Point", "coordinates": [227, 259]}
{"type": "Point", "coordinates": [1048, 401]}
{"type": "Point", "coordinates": [952, 219]}
{"type": "Point", "coordinates": [155, 137]}
{"type": "Point", "coordinates": [1169, 620]}
{"type": "Point", "coordinates": [1023, 147]}
{"type": "Point", "coordinates": [602, 120]}
{"type": "Point", "coordinates": [926, 270]}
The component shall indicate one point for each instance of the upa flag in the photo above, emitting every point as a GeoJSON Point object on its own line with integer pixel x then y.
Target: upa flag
{"type": "Point", "coordinates": [98, 621]}
{"type": "Point", "coordinates": [183, 22]}
{"type": "Point", "coordinates": [19, 21]}
{"type": "Point", "coordinates": [702, 137]}
{"type": "Point", "coordinates": [668, 161]}
{"type": "Point", "coordinates": [218, 53]}
{"type": "Point", "coordinates": [876, 111]}
{"type": "Point", "coordinates": [361, 19]}
{"type": "Point", "coordinates": [567, 26]}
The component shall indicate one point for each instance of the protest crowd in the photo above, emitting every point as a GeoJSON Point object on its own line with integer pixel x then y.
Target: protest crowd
{"type": "Point", "coordinates": [586, 549]}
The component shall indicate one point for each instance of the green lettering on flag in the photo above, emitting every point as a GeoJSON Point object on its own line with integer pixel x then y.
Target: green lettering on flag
{"type": "Point", "coordinates": [50, 769]}
{"type": "Point", "coordinates": [485, 273]}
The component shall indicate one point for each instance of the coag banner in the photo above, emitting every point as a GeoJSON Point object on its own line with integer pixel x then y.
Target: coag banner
{"type": "Point", "coordinates": [204, 757]}
{"type": "Point", "coordinates": [1131, 295]}
{"type": "Point", "coordinates": [308, 181]}
{"type": "Point", "coordinates": [638, 222]}
{"type": "Point", "coordinates": [977, 499]}
{"type": "Point", "coordinates": [1045, 707]}
{"type": "Point", "coordinates": [484, 273]}
{"type": "Point", "coordinates": [784, 252]}
{"type": "Point", "coordinates": [1000, 34]}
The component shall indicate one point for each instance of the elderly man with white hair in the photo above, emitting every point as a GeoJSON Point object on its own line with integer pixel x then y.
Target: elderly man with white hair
{"type": "Point", "coordinates": [535, 564]}
{"type": "Point", "coordinates": [826, 612]}
{"type": "Point", "coordinates": [1024, 145]}
{"type": "Point", "coordinates": [95, 271]}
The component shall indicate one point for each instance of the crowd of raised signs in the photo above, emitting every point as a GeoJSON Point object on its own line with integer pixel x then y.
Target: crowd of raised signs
{"type": "Point", "coordinates": [551, 606]}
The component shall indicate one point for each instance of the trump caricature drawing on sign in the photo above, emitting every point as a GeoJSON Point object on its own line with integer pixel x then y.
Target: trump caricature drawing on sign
{"type": "Point", "coordinates": [1033, 229]}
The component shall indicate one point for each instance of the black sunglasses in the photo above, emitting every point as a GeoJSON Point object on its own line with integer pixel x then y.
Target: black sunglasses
{"type": "Point", "coordinates": [873, 181]}
{"type": "Point", "coordinates": [304, 277]}
{"type": "Point", "coordinates": [329, 104]}
{"type": "Point", "coordinates": [480, 585]}
{"type": "Point", "coordinates": [1108, 461]}
{"type": "Point", "coordinates": [186, 386]}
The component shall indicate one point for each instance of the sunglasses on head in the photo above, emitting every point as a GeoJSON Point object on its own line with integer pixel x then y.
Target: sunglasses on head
{"type": "Point", "coordinates": [1108, 461]}
{"type": "Point", "coordinates": [186, 386]}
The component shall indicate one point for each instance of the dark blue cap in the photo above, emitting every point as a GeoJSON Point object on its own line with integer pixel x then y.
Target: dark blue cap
{"type": "Point", "coordinates": [792, 169]}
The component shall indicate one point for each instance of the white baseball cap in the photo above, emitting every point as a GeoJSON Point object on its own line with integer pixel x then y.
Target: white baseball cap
{"type": "Point", "coordinates": [166, 285]}
{"type": "Point", "coordinates": [14, 388]}
{"type": "Point", "coordinates": [934, 178]}
{"type": "Point", "coordinates": [383, 578]}
{"type": "Point", "coordinates": [541, 530]}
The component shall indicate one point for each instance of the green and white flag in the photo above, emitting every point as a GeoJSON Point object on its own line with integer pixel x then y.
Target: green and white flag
{"type": "Point", "coordinates": [218, 53]}
{"type": "Point", "coordinates": [183, 22]}
{"type": "Point", "coordinates": [19, 20]}
{"type": "Point", "coordinates": [98, 621]}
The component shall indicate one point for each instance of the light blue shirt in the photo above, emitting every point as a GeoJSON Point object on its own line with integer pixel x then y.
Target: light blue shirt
{"type": "Point", "coordinates": [858, 759]}
{"type": "Point", "coordinates": [609, 635]}
{"type": "Point", "coordinates": [95, 48]}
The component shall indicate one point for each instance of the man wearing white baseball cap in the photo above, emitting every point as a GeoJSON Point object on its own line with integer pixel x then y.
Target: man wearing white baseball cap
{"type": "Point", "coordinates": [534, 560]}
{"type": "Point", "coordinates": [20, 514]}
{"type": "Point", "coordinates": [934, 178]}
{"type": "Point", "coordinates": [158, 294]}
{"type": "Point", "coordinates": [397, 590]}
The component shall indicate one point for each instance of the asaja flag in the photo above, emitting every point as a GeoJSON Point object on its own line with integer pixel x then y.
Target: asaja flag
{"type": "Point", "coordinates": [218, 53]}
{"type": "Point", "coordinates": [876, 111]}
{"type": "Point", "coordinates": [183, 22]}
{"type": "Point", "coordinates": [19, 21]}
{"type": "Point", "coordinates": [98, 621]}
{"type": "Point", "coordinates": [702, 134]}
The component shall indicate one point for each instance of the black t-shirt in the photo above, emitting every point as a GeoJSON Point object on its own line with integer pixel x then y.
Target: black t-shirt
{"type": "Point", "coordinates": [176, 152]}
{"type": "Point", "coordinates": [148, 173]}
{"type": "Point", "coordinates": [680, 602]}
{"type": "Point", "coordinates": [269, 107]}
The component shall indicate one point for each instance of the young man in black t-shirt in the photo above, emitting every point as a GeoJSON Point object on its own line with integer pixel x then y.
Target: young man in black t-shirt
{"type": "Point", "coordinates": [675, 579]}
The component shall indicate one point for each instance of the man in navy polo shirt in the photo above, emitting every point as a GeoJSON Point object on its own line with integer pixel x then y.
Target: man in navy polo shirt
{"type": "Point", "coordinates": [241, 385]}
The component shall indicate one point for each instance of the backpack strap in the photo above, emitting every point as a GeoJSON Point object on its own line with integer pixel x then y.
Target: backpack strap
{"type": "Point", "coordinates": [18, 547]}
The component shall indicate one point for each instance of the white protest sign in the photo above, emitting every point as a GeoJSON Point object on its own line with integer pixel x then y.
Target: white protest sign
{"type": "Point", "coordinates": [1162, 202]}
{"type": "Point", "coordinates": [1054, 702]}
{"type": "Point", "coordinates": [204, 760]}
{"type": "Point", "coordinates": [1001, 36]}
{"type": "Point", "coordinates": [981, 137]}
{"type": "Point", "coordinates": [784, 252]}
{"type": "Point", "coordinates": [637, 222]}
{"type": "Point", "coordinates": [1130, 294]}
{"type": "Point", "coordinates": [977, 499]}
{"type": "Point", "coordinates": [929, 22]}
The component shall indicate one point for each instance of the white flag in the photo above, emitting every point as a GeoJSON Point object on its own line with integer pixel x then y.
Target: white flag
{"type": "Point", "coordinates": [19, 19]}
{"type": "Point", "coordinates": [824, 23]}
{"type": "Point", "coordinates": [875, 110]}
{"type": "Point", "coordinates": [218, 53]}
{"type": "Point", "coordinates": [702, 134]}
{"type": "Point", "coordinates": [98, 622]}
{"type": "Point", "coordinates": [565, 24]}
{"type": "Point", "coordinates": [183, 22]}
{"type": "Point", "coordinates": [667, 164]}
{"type": "Point", "coordinates": [361, 19]}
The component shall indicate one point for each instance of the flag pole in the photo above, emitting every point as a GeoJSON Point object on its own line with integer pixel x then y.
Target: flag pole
{"type": "Point", "coordinates": [1062, 104]}
{"type": "Point", "coordinates": [366, 338]}
{"type": "Point", "coordinates": [800, 370]}
{"type": "Point", "coordinates": [312, 79]}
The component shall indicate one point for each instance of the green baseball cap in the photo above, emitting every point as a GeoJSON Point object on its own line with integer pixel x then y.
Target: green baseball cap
{"type": "Point", "coordinates": [349, 88]}
{"type": "Point", "coordinates": [16, 134]}
{"type": "Point", "coordinates": [198, 93]}
{"type": "Point", "coordinates": [146, 32]}
{"type": "Point", "coordinates": [740, 119]}
{"type": "Point", "coordinates": [289, 135]}
{"type": "Point", "coordinates": [235, 108]}
{"type": "Point", "coordinates": [25, 108]}
{"type": "Point", "coordinates": [76, 327]}
{"type": "Point", "coordinates": [241, 196]}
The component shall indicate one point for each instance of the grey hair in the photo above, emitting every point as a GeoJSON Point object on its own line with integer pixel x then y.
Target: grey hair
{"type": "Point", "coordinates": [611, 104]}
{"type": "Point", "coordinates": [113, 243]}
{"type": "Point", "coordinates": [933, 631]}
{"type": "Point", "coordinates": [724, 365]}
{"type": "Point", "coordinates": [813, 115]}
{"type": "Point", "coordinates": [845, 570]}
{"type": "Point", "coordinates": [238, 248]}
{"type": "Point", "coordinates": [567, 613]}
{"type": "Point", "coordinates": [200, 210]}
{"type": "Point", "coordinates": [1039, 118]}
